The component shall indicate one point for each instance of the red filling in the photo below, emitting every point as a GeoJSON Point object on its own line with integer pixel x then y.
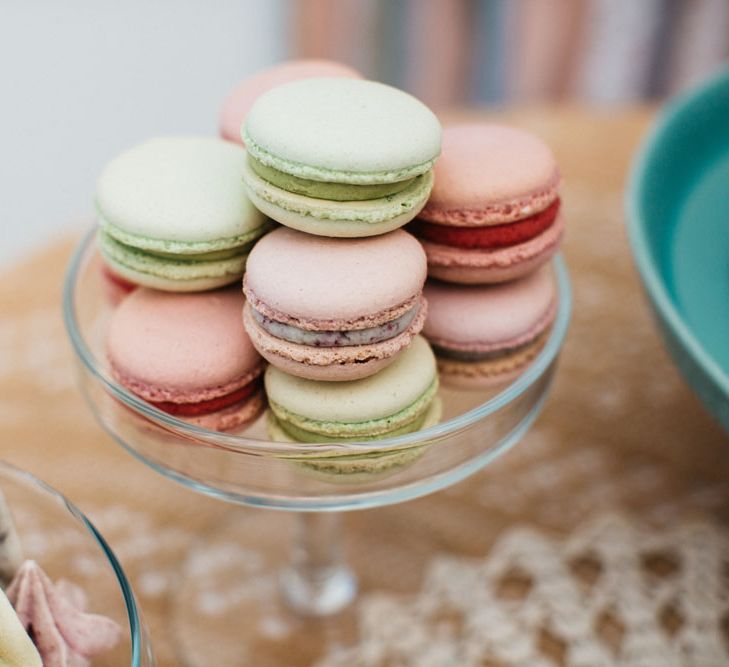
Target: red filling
{"type": "Point", "coordinates": [490, 236]}
{"type": "Point", "coordinates": [206, 407]}
{"type": "Point", "coordinates": [117, 280]}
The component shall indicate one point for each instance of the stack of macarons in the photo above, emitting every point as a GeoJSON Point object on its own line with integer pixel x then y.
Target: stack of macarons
{"type": "Point", "coordinates": [490, 226]}
{"type": "Point", "coordinates": [173, 214]}
{"type": "Point", "coordinates": [334, 298]}
{"type": "Point", "coordinates": [175, 222]}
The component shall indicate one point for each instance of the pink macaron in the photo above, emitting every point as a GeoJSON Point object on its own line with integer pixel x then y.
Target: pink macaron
{"type": "Point", "coordinates": [188, 355]}
{"type": "Point", "coordinates": [334, 309]}
{"type": "Point", "coordinates": [494, 211]}
{"type": "Point", "coordinates": [484, 335]}
{"type": "Point", "coordinates": [241, 99]}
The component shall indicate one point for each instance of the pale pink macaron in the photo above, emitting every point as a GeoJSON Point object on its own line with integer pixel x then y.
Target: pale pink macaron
{"type": "Point", "coordinates": [188, 355]}
{"type": "Point", "coordinates": [487, 334]}
{"type": "Point", "coordinates": [493, 214]}
{"type": "Point", "coordinates": [241, 99]}
{"type": "Point", "coordinates": [330, 308]}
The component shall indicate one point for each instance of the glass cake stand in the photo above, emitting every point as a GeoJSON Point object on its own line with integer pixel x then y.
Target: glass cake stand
{"type": "Point", "coordinates": [55, 534]}
{"type": "Point", "coordinates": [239, 602]}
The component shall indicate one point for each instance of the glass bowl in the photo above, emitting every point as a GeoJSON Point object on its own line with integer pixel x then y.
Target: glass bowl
{"type": "Point", "coordinates": [248, 468]}
{"type": "Point", "coordinates": [55, 534]}
{"type": "Point", "coordinates": [313, 480]}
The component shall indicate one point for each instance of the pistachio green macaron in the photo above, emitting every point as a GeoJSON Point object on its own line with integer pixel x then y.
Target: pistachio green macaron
{"type": "Point", "coordinates": [340, 157]}
{"type": "Point", "coordinates": [174, 214]}
{"type": "Point", "coordinates": [400, 399]}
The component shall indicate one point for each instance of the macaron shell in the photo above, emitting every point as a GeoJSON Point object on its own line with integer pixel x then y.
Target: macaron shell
{"type": "Point", "coordinates": [465, 266]}
{"type": "Point", "coordinates": [324, 217]}
{"type": "Point", "coordinates": [240, 101]}
{"type": "Point", "coordinates": [343, 130]}
{"type": "Point", "coordinates": [431, 417]}
{"type": "Point", "coordinates": [181, 347]}
{"type": "Point", "coordinates": [179, 189]}
{"type": "Point", "coordinates": [488, 318]}
{"type": "Point", "coordinates": [317, 278]}
{"type": "Point", "coordinates": [395, 388]}
{"type": "Point", "coordinates": [333, 228]}
{"type": "Point", "coordinates": [355, 468]}
{"type": "Point", "coordinates": [172, 274]}
{"type": "Point", "coordinates": [491, 174]}
{"type": "Point", "coordinates": [172, 284]}
{"type": "Point", "coordinates": [329, 364]}
{"type": "Point", "coordinates": [343, 372]}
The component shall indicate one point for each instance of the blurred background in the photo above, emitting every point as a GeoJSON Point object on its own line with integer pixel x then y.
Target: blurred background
{"type": "Point", "coordinates": [84, 79]}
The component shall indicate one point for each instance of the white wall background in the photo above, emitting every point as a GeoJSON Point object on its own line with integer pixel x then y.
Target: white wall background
{"type": "Point", "coordinates": [80, 80]}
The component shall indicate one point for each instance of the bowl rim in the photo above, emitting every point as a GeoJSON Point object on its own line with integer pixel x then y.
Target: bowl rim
{"type": "Point", "coordinates": [654, 285]}
{"type": "Point", "coordinates": [135, 622]}
{"type": "Point", "coordinates": [244, 444]}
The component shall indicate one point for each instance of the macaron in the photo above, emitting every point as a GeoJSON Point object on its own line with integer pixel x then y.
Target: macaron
{"type": "Point", "coordinates": [334, 309]}
{"type": "Point", "coordinates": [484, 335]}
{"type": "Point", "coordinates": [174, 215]}
{"type": "Point", "coordinates": [241, 99]}
{"type": "Point", "coordinates": [340, 157]}
{"type": "Point", "coordinates": [494, 212]}
{"type": "Point", "coordinates": [188, 355]}
{"type": "Point", "coordinates": [400, 399]}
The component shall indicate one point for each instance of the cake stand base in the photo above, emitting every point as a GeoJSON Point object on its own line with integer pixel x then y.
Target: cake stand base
{"type": "Point", "coordinates": [230, 603]}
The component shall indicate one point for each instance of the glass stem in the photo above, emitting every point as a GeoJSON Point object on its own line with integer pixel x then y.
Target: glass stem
{"type": "Point", "coordinates": [318, 582]}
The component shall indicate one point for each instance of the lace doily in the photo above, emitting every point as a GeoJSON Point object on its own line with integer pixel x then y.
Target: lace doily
{"type": "Point", "coordinates": [613, 594]}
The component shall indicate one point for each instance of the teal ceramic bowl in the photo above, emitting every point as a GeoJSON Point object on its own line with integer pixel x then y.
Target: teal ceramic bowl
{"type": "Point", "coordinates": [678, 219]}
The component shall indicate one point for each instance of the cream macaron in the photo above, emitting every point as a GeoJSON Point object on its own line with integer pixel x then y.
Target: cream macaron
{"type": "Point", "coordinates": [174, 215]}
{"type": "Point", "coordinates": [340, 157]}
{"type": "Point", "coordinates": [401, 399]}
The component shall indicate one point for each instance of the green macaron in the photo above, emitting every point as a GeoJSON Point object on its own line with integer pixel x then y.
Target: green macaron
{"type": "Point", "coordinates": [400, 399]}
{"type": "Point", "coordinates": [174, 215]}
{"type": "Point", "coordinates": [340, 157]}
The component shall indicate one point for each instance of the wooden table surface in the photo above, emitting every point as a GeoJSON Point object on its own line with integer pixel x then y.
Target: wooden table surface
{"type": "Point", "coordinates": [617, 402]}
